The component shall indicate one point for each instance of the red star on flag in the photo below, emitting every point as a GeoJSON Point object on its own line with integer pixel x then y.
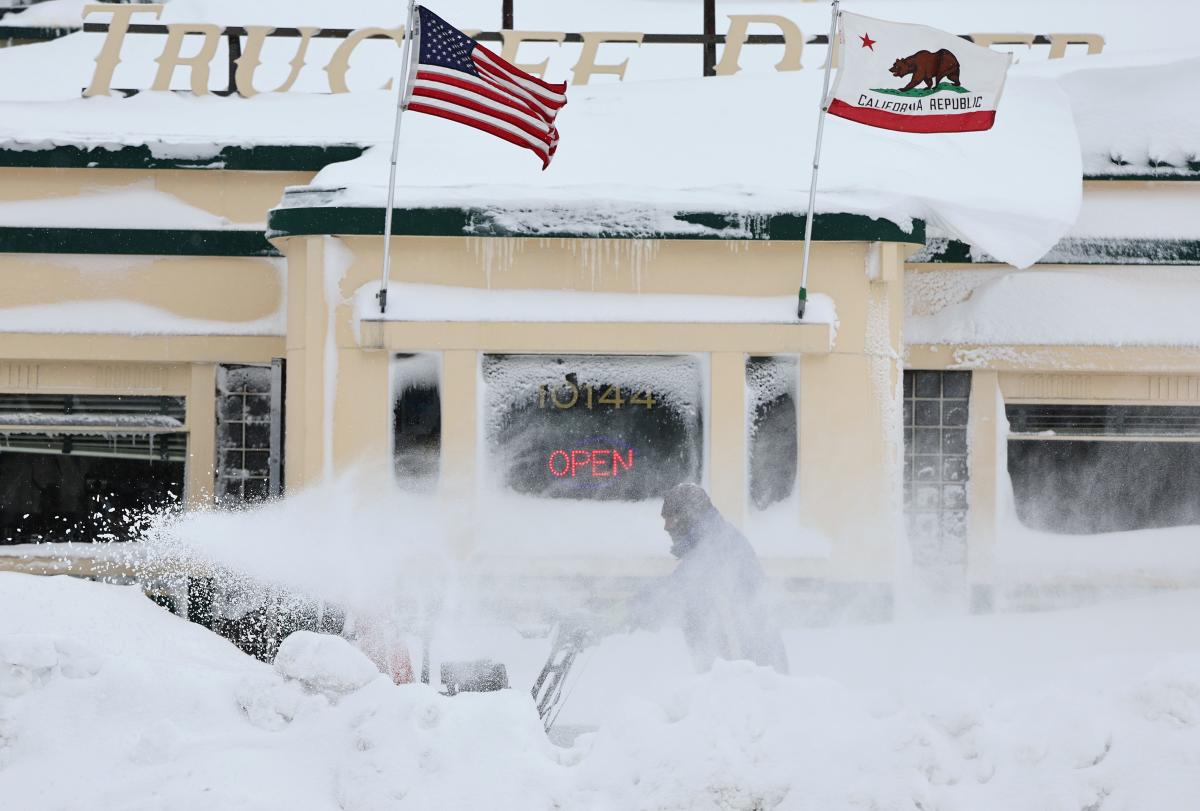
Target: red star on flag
{"type": "Point", "coordinates": [868, 42]}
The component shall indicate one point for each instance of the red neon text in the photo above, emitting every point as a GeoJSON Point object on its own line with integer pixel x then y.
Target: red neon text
{"type": "Point", "coordinates": [599, 462]}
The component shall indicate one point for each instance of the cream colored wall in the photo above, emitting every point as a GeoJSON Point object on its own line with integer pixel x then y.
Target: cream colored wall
{"type": "Point", "coordinates": [849, 409]}
{"type": "Point", "coordinates": [227, 289]}
{"type": "Point", "coordinates": [243, 197]}
{"type": "Point", "coordinates": [851, 444]}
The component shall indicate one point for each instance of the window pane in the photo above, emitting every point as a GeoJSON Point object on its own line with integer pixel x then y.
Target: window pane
{"type": "Point", "coordinates": [771, 382]}
{"type": "Point", "coordinates": [593, 426]}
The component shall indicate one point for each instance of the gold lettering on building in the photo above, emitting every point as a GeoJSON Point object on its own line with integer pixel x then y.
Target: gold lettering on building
{"type": "Point", "coordinates": [586, 66]}
{"type": "Point", "coordinates": [739, 30]}
{"type": "Point", "coordinates": [172, 56]}
{"type": "Point", "coordinates": [110, 52]}
{"type": "Point", "coordinates": [339, 63]}
{"type": "Point", "coordinates": [513, 40]}
{"type": "Point", "coordinates": [251, 58]}
{"type": "Point", "coordinates": [1059, 43]}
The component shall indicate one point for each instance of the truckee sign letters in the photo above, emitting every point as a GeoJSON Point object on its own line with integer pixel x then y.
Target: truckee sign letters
{"type": "Point", "coordinates": [245, 65]}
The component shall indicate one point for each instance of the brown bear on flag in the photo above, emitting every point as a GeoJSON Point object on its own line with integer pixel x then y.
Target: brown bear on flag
{"type": "Point", "coordinates": [953, 85]}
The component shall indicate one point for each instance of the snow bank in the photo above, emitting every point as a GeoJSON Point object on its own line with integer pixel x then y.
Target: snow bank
{"type": "Point", "coordinates": [1083, 307]}
{"type": "Point", "coordinates": [159, 713]}
{"type": "Point", "coordinates": [324, 664]}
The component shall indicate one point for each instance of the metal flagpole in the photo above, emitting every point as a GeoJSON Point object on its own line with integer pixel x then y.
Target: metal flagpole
{"type": "Point", "coordinates": [402, 93]}
{"type": "Point", "coordinates": [812, 188]}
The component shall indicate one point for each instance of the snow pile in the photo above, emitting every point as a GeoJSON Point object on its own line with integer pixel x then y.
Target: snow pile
{"type": "Point", "coordinates": [1075, 307]}
{"type": "Point", "coordinates": [324, 664]}
{"type": "Point", "coordinates": [159, 713]}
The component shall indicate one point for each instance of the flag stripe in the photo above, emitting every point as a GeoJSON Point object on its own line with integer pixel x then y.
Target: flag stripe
{"type": "Point", "coordinates": [953, 122]}
{"type": "Point", "coordinates": [554, 95]}
{"type": "Point", "coordinates": [534, 128]}
{"type": "Point", "coordinates": [429, 73]}
{"type": "Point", "coordinates": [498, 80]}
{"type": "Point", "coordinates": [486, 126]}
{"type": "Point", "coordinates": [534, 143]}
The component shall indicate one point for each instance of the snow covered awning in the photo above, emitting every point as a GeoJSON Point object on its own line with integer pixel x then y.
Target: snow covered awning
{"type": "Point", "coordinates": [443, 317]}
{"type": "Point", "coordinates": [32, 421]}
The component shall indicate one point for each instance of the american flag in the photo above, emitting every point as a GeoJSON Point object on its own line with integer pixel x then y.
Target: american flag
{"type": "Point", "coordinates": [462, 81]}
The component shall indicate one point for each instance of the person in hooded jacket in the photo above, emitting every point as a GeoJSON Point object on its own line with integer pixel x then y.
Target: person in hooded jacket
{"type": "Point", "coordinates": [716, 591]}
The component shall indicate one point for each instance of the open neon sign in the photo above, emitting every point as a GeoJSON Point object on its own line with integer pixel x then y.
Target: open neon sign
{"type": "Point", "coordinates": [598, 462]}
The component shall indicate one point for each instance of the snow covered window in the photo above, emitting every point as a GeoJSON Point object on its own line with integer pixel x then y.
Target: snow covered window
{"type": "Point", "coordinates": [1089, 468]}
{"type": "Point", "coordinates": [243, 433]}
{"type": "Point", "coordinates": [593, 426]}
{"type": "Point", "coordinates": [416, 420]}
{"type": "Point", "coordinates": [936, 407]}
{"type": "Point", "coordinates": [773, 444]}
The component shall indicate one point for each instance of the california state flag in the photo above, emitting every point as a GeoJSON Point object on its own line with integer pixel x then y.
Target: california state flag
{"type": "Point", "coordinates": [914, 78]}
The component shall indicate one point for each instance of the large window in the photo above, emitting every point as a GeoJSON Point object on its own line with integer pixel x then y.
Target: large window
{"type": "Point", "coordinates": [593, 427]}
{"type": "Point", "coordinates": [1104, 468]}
{"type": "Point", "coordinates": [87, 467]}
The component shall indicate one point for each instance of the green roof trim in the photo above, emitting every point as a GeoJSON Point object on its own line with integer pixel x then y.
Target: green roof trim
{"type": "Point", "coordinates": [136, 242]}
{"type": "Point", "coordinates": [262, 158]}
{"type": "Point", "coordinates": [22, 34]}
{"type": "Point", "coordinates": [457, 222]}
{"type": "Point", "coordinates": [1184, 175]}
{"type": "Point", "coordinates": [1073, 251]}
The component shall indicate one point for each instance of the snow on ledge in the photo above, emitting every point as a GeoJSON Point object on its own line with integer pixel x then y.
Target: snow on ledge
{"type": "Point", "coordinates": [116, 317]}
{"type": "Point", "coordinates": [430, 302]}
{"type": "Point", "coordinates": [139, 203]}
{"type": "Point", "coordinates": [1086, 307]}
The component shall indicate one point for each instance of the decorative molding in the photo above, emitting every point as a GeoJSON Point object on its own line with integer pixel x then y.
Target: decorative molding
{"type": "Point", "coordinates": [20, 375]}
{"type": "Point", "coordinates": [1175, 388]}
{"type": "Point", "coordinates": [131, 377]}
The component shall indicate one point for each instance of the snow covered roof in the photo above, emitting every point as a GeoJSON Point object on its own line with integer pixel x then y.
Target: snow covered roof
{"type": "Point", "coordinates": [635, 156]}
{"type": "Point", "coordinates": [644, 157]}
